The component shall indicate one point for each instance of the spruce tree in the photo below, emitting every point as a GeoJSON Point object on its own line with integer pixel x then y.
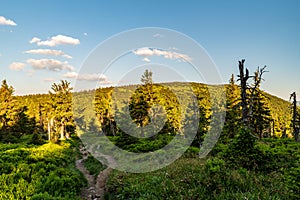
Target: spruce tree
{"type": "Point", "coordinates": [199, 112]}
{"type": "Point", "coordinates": [233, 111]}
{"type": "Point", "coordinates": [151, 103]}
{"type": "Point", "coordinates": [14, 122]}
{"type": "Point", "coordinates": [139, 108]}
{"type": "Point", "coordinates": [147, 77]}
{"type": "Point", "coordinates": [6, 104]}
{"type": "Point", "coordinates": [61, 105]}
{"type": "Point", "coordinates": [7, 112]}
{"type": "Point", "coordinates": [260, 116]}
{"type": "Point", "coordinates": [142, 101]}
{"type": "Point", "coordinates": [103, 109]}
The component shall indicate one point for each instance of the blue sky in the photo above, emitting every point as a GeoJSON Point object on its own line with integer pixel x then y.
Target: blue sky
{"type": "Point", "coordinates": [262, 32]}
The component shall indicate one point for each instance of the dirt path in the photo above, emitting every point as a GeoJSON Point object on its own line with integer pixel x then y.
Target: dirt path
{"type": "Point", "coordinates": [102, 177]}
{"type": "Point", "coordinates": [96, 188]}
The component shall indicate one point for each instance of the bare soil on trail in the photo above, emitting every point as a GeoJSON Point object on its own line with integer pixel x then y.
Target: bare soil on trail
{"type": "Point", "coordinates": [96, 187]}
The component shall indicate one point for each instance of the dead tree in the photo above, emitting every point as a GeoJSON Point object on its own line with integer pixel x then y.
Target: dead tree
{"type": "Point", "coordinates": [243, 78]}
{"type": "Point", "coordinates": [255, 89]}
{"type": "Point", "coordinates": [295, 122]}
{"type": "Point", "coordinates": [247, 91]}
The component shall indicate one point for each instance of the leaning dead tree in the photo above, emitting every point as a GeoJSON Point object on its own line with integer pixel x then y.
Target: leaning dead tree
{"type": "Point", "coordinates": [248, 91]}
{"type": "Point", "coordinates": [295, 121]}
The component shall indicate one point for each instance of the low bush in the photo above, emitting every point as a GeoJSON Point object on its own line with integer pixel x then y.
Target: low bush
{"type": "Point", "coordinates": [39, 172]}
{"type": "Point", "coordinates": [269, 170]}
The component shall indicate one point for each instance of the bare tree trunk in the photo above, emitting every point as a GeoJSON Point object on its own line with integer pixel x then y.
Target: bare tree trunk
{"type": "Point", "coordinates": [272, 128]}
{"type": "Point", "coordinates": [261, 134]}
{"type": "Point", "coordinates": [284, 133]}
{"type": "Point", "coordinates": [67, 133]}
{"type": "Point", "coordinates": [294, 122]}
{"type": "Point", "coordinates": [62, 130]}
{"type": "Point", "coordinates": [41, 126]}
{"type": "Point", "coordinates": [243, 80]}
{"type": "Point", "coordinates": [49, 129]}
{"type": "Point", "coordinates": [247, 100]}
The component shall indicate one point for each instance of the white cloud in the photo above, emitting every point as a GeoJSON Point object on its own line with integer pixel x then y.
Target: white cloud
{"type": "Point", "coordinates": [34, 40]}
{"type": "Point", "coordinates": [17, 66]}
{"type": "Point", "coordinates": [48, 52]}
{"type": "Point", "coordinates": [67, 56]}
{"type": "Point", "coordinates": [91, 77]}
{"type": "Point", "coordinates": [0, 54]}
{"type": "Point", "coordinates": [157, 35]}
{"type": "Point", "coordinates": [146, 59]}
{"type": "Point", "coordinates": [105, 82]}
{"type": "Point", "coordinates": [85, 34]}
{"type": "Point", "coordinates": [4, 21]}
{"type": "Point", "coordinates": [49, 79]}
{"type": "Point", "coordinates": [147, 52]}
{"type": "Point", "coordinates": [50, 64]}
{"type": "Point", "coordinates": [101, 78]}
{"type": "Point", "coordinates": [70, 75]}
{"type": "Point", "coordinates": [56, 40]}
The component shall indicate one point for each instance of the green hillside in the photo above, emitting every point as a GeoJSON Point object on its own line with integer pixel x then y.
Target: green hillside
{"type": "Point", "coordinates": [280, 109]}
{"type": "Point", "coordinates": [239, 166]}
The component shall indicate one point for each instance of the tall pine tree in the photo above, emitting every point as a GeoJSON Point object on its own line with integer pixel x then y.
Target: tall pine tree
{"type": "Point", "coordinates": [260, 115]}
{"type": "Point", "coordinates": [61, 120]}
{"type": "Point", "coordinates": [233, 111]}
{"type": "Point", "coordinates": [14, 121]}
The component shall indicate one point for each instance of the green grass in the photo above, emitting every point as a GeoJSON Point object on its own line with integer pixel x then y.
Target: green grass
{"type": "Point", "coordinates": [39, 172]}
{"type": "Point", "coordinates": [93, 165]}
{"type": "Point", "coordinates": [215, 178]}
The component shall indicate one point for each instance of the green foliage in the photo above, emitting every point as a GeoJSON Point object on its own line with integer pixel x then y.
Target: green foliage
{"type": "Point", "coordinates": [6, 105]}
{"type": "Point", "coordinates": [36, 139]}
{"type": "Point", "coordinates": [144, 109]}
{"type": "Point", "coordinates": [39, 172]}
{"type": "Point", "coordinates": [139, 108]}
{"type": "Point", "coordinates": [147, 77]}
{"type": "Point", "coordinates": [93, 165]}
{"type": "Point", "coordinates": [233, 112]}
{"type": "Point", "coordinates": [260, 121]}
{"type": "Point", "coordinates": [103, 110]}
{"type": "Point", "coordinates": [146, 97]}
{"type": "Point", "coordinates": [216, 178]}
{"type": "Point", "coordinates": [137, 145]}
{"type": "Point", "coordinates": [281, 114]}
{"type": "Point", "coordinates": [60, 118]}
{"type": "Point", "coordinates": [103, 101]}
{"type": "Point", "coordinates": [283, 156]}
{"type": "Point", "coordinates": [241, 167]}
{"type": "Point", "coordinates": [14, 121]}
{"type": "Point", "coordinates": [242, 151]}
{"type": "Point", "coordinates": [203, 108]}
{"type": "Point", "coordinates": [60, 183]}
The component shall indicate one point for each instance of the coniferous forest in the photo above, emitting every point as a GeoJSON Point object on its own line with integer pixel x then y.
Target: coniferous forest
{"type": "Point", "coordinates": [256, 155]}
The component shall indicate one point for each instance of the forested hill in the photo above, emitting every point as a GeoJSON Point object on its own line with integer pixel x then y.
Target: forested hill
{"type": "Point", "coordinates": [280, 110]}
{"type": "Point", "coordinates": [41, 163]}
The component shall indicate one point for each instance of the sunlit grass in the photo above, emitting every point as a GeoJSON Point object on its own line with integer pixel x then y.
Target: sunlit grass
{"type": "Point", "coordinates": [39, 172]}
{"type": "Point", "coordinates": [213, 178]}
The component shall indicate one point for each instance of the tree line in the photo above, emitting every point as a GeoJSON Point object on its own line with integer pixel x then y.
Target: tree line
{"type": "Point", "coordinates": [50, 116]}
{"type": "Point", "coordinates": [47, 116]}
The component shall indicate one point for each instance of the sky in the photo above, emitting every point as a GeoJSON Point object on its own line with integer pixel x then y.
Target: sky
{"type": "Point", "coordinates": [42, 42]}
